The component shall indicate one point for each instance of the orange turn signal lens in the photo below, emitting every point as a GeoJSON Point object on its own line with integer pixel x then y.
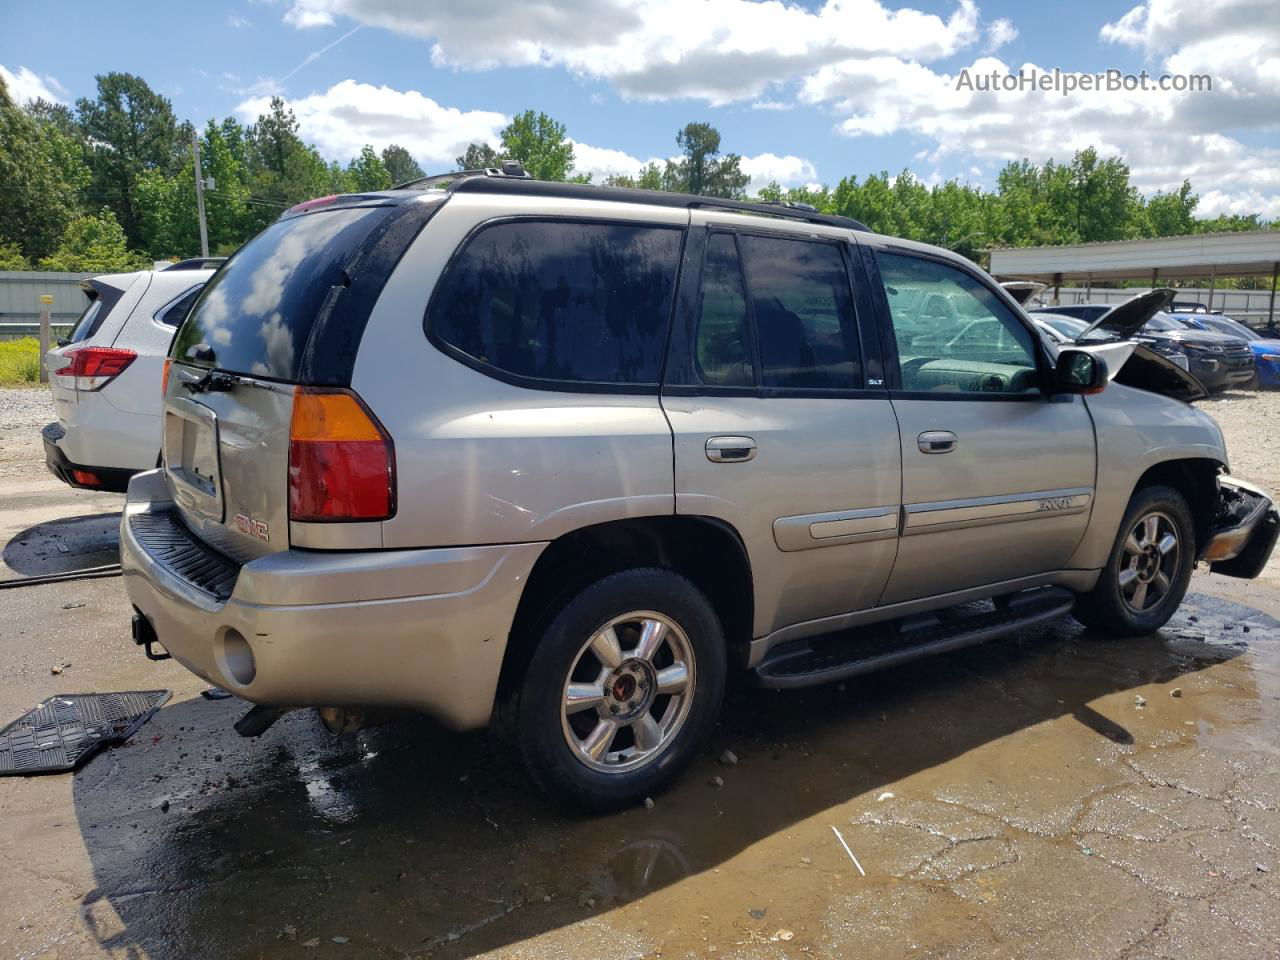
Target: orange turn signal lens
{"type": "Point", "coordinates": [331, 416]}
{"type": "Point", "coordinates": [164, 376]}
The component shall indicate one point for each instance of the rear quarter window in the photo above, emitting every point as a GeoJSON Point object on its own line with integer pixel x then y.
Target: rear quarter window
{"type": "Point", "coordinates": [257, 313]}
{"type": "Point", "coordinates": [560, 302]}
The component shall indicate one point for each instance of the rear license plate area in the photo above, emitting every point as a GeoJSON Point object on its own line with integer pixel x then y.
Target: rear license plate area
{"type": "Point", "coordinates": [191, 456]}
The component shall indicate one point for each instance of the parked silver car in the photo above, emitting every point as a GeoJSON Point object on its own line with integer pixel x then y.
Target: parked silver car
{"type": "Point", "coordinates": [560, 455]}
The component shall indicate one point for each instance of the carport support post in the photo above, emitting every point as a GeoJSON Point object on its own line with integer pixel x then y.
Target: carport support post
{"type": "Point", "coordinates": [1057, 289]}
{"type": "Point", "coordinates": [1271, 310]}
{"type": "Point", "coordinates": [1213, 279]}
{"type": "Point", "coordinates": [45, 300]}
{"type": "Point", "coordinates": [1088, 287]}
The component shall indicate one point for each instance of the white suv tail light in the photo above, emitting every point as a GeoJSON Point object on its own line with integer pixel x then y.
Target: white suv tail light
{"type": "Point", "coordinates": [92, 368]}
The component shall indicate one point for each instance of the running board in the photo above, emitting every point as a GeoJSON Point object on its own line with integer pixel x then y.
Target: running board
{"type": "Point", "coordinates": [807, 663]}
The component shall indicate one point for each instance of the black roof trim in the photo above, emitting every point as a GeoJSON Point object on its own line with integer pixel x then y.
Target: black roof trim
{"type": "Point", "coordinates": [198, 263]}
{"type": "Point", "coordinates": [486, 182]}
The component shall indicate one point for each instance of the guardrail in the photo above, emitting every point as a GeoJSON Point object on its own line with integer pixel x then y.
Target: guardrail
{"type": "Point", "coordinates": [16, 329]}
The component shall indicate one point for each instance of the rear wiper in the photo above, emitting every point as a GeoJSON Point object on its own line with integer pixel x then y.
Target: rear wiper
{"type": "Point", "coordinates": [218, 381]}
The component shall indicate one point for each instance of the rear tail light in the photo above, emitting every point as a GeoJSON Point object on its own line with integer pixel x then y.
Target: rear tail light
{"type": "Point", "coordinates": [92, 368]}
{"type": "Point", "coordinates": [164, 376]}
{"type": "Point", "coordinates": [341, 462]}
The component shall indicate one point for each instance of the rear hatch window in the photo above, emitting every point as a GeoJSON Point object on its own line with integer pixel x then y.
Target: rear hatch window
{"type": "Point", "coordinates": [102, 297]}
{"type": "Point", "coordinates": [258, 312]}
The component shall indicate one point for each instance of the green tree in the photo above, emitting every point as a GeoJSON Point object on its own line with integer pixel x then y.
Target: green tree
{"type": "Point", "coordinates": [129, 129]}
{"type": "Point", "coordinates": [702, 170]}
{"type": "Point", "coordinates": [280, 170]}
{"type": "Point", "coordinates": [478, 156]}
{"type": "Point", "coordinates": [1172, 214]}
{"type": "Point", "coordinates": [400, 164]}
{"type": "Point", "coordinates": [539, 143]}
{"type": "Point", "coordinates": [649, 178]}
{"type": "Point", "coordinates": [11, 257]}
{"type": "Point", "coordinates": [367, 172]}
{"type": "Point", "coordinates": [42, 174]}
{"type": "Point", "coordinates": [167, 204]}
{"type": "Point", "coordinates": [94, 243]}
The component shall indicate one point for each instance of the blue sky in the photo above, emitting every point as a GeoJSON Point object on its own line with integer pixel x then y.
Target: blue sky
{"type": "Point", "coordinates": [809, 93]}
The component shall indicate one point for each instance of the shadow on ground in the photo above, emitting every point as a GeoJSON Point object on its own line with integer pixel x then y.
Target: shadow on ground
{"type": "Point", "coordinates": [62, 546]}
{"type": "Point", "coordinates": [407, 840]}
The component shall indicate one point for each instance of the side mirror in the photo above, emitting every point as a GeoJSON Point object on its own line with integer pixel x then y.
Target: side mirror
{"type": "Point", "coordinates": [1078, 371]}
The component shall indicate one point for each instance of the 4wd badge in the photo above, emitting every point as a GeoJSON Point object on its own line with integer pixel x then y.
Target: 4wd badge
{"type": "Point", "coordinates": [254, 528]}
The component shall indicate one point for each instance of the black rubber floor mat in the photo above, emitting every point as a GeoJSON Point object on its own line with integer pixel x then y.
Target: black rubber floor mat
{"type": "Point", "coordinates": [62, 732]}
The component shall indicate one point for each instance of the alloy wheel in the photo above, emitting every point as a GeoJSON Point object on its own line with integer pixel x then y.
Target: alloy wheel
{"type": "Point", "coordinates": [1149, 563]}
{"type": "Point", "coordinates": [628, 692]}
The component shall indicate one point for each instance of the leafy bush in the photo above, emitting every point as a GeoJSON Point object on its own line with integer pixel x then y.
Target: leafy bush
{"type": "Point", "coordinates": [19, 361]}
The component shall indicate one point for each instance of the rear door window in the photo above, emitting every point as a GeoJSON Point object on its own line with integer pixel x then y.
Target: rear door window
{"type": "Point", "coordinates": [806, 330]}
{"type": "Point", "coordinates": [722, 351]}
{"type": "Point", "coordinates": [257, 313]}
{"type": "Point", "coordinates": [560, 301]}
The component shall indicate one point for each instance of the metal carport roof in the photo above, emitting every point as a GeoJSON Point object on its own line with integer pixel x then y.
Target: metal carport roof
{"type": "Point", "coordinates": [1256, 253]}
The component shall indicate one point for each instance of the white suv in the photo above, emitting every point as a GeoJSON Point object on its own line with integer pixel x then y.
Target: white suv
{"type": "Point", "coordinates": [105, 376]}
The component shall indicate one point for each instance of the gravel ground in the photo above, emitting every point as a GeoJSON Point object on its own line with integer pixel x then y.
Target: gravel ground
{"type": "Point", "coordinates": [24, 411]}
{"type": "Point", "coordinates": [1251, 424]}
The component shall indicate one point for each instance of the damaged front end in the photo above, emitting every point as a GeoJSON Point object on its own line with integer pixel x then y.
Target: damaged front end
{"type": "Point", "coordinates": [1245, 527]}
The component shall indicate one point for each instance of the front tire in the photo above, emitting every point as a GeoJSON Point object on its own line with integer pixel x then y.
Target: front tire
{"type": "Point", "coordinates": [622, 689]}
{"type": "Point", "coordinates": [1149, 567]}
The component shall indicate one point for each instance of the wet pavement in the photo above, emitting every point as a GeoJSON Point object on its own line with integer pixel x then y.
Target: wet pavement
{"type": "Point", "coordinates": [1053, 795]}
{"type": "Point", "coordinates": [1057, 794]}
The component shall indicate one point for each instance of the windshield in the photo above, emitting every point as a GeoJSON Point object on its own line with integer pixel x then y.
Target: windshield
{"type": "Point", "coordinates": [257, 313]}
{"type": "Point", "coordinates": [1067, 326]}
{"type": "Point", "coordinates": [1231, 327]}
{"type": "Point", "coordinates": [1164, 323]}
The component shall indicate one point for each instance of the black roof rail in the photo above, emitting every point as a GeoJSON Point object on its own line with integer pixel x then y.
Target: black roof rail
{"type": "Point", "coordinates": [512, 178]}
{"type": "Point", "coordinates": [491, 183]}
{"type": "Point", "coordinates": [198, 263]}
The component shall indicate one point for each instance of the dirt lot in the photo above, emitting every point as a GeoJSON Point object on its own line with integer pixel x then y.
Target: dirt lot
{"type": "Point", "coordinates": [1053, 795]}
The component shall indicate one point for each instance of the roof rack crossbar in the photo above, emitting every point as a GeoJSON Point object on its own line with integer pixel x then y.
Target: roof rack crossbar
{"type": "Point", "coordinates": [493, 181]}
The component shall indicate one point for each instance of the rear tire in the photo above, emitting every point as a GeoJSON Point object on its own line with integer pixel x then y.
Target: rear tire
{"type": "Point", "coordinates": [1149, 567]}
{"type": "Point", "coordinates": [621, 690]}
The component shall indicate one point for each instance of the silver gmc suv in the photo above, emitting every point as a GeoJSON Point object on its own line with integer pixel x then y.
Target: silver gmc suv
{"type": "Point", "coordinates": [556, 457]}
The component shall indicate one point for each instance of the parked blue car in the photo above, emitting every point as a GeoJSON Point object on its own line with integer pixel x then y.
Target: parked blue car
{"type": "Point", "coordinates": [1266, 353]}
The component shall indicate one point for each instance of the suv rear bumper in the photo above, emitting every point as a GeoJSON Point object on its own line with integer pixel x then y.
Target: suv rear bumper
{"type": "Point", "coordinates": [112, 479]}
{"type": "Point", "coordinates": [424, 629]}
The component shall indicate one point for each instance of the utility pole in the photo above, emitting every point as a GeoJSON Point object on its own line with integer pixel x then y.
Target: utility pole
{"type": "Point", "coordinates": [204, 231]}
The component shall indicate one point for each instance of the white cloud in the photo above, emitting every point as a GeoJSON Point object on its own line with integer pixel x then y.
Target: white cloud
{"type": "Point", "coordinates": [603, 162]}
{"type": "Point", "coordinates": [788, 171]}
{"type": "Point", "coordinates": [1000, 32]}
{"type": "Point", "coordinates": [713, 50]}
{"type": "Point", "coordinates": [237, 22]}
{"type": "Point", "coordinates": [348, 115]}
{"type": "Point", "coordinates": [26, 85]}
{"type": "Point", "coordinates": [1164, 136]}
{"type": "Point", "coordinates": [872, 67]}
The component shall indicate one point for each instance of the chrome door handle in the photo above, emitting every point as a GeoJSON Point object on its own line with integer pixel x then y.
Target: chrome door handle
{"type": "Point", "coordinates": [937, 441]}
{"type": "Point", "coordinates": [731, 449]}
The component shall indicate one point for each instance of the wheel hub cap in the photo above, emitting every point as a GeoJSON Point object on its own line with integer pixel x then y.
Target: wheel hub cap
{"type": "Point", "coordinates": [630, 691]}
